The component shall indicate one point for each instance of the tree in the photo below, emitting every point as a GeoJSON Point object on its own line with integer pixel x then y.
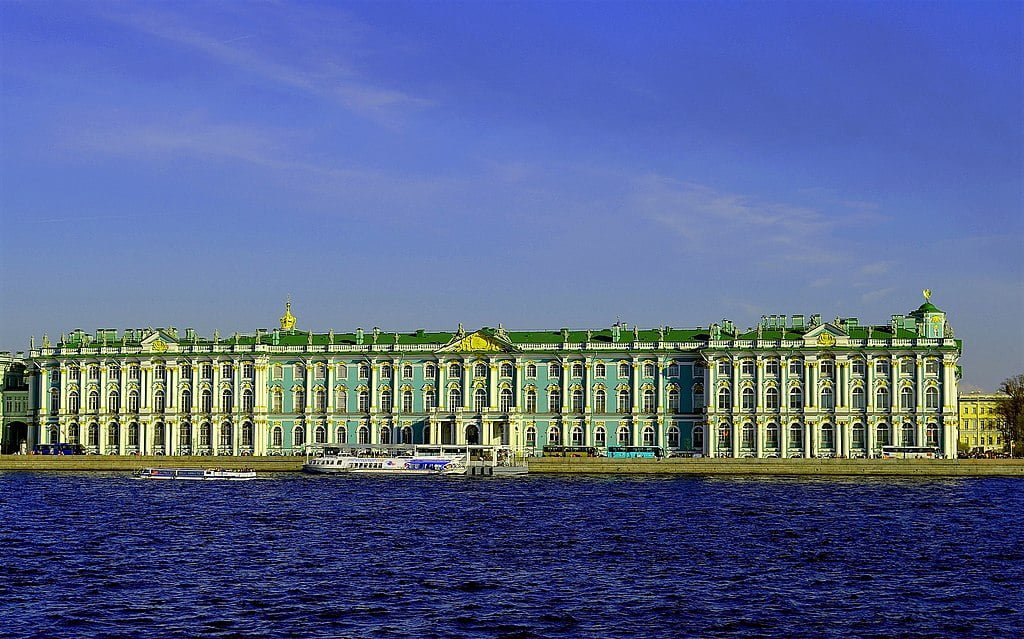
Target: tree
{"type": "Point", "coordinates": [1011, 412]}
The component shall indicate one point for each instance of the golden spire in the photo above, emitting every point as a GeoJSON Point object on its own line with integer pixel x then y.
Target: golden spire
{"type": "Point", "coordinates": [288, 320]}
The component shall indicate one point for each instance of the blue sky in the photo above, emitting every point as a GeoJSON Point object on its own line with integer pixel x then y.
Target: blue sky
{"type": "Point", "coordinates": [417, 165]}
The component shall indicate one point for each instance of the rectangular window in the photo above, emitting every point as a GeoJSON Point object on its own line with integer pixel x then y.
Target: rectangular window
{"type": "Point", "coordinates": [747, 367]}
{"type": "Point", "coordinates": [858, 367]}
{"type": "Point", "coordinates": [827, 368]}
{"type": "Point", "coordinates": [724, 369]}
{"type": "Point", "coordinates": [207, 371]}
{"type": "Point", "coordinates": [882, 367]}
{"type": "Point", "coordinates": [771, 367]}
{"type": "Point", "coordinates": [248, 370]}
{"type": "Point", "coordinates": [227, 371]}
{"type": "Point", "coordinates": [796, 368]}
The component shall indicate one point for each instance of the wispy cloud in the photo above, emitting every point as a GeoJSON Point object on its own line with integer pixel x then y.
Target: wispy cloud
{"type": "Point", "coordinates": [718, 221]}
{"type": "Point", "coordinates": [324, 70]}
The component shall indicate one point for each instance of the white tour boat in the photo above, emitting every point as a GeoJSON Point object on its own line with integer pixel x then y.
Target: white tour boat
{"type": "Point", "coordinates": [199, 474]}
{"type": "Point", "coordinates": [391, 461]}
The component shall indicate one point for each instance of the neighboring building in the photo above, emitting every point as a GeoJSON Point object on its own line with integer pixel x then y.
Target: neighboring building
{"type": "Point", "coordinates": [15, 411]}
{"type": "Point", "coordinates": [786, 388]}
{"type": "Point", "coordinates": [978, 422]}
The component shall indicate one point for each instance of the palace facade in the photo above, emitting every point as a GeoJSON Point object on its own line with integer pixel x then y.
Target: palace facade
{"type": "Point", "coordinates": [789, 387]}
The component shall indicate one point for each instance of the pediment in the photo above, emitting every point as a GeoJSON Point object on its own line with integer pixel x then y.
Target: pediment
{"type": "Point", "coordinates": [482, 341]}
{"type": "Point", "coordinates": [159, 341]}
{"type": "Point", "coordinates": [826, 335]}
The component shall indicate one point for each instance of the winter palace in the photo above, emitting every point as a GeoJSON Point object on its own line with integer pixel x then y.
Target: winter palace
{"type": "Point", "coordinates": [793, 386]}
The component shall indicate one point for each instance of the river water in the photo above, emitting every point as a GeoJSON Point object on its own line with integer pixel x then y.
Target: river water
{"type": "Point", "coordinates": [102, 555]}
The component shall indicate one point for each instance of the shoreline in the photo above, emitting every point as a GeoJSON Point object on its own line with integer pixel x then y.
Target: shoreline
{"type": "Point", "coordinates": [564, 465]}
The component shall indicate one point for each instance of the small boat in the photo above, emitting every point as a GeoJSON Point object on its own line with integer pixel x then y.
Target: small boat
{"type": "Point", "coordinates": [195, 474]}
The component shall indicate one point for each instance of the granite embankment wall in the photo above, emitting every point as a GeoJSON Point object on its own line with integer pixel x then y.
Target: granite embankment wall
{"type": "Point", "coordinates": [569, 465]}
{"type": "Point", "coordinates": [839, 467]}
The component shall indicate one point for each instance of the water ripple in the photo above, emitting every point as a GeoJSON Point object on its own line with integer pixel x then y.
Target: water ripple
{"type": "Point", "coordinates": [98, 555]}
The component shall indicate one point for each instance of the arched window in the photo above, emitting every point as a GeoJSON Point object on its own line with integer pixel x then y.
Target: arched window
{"type": "Point", "coordinates": [673, 401]}
{"type": "Point", "coordinates": [406, 435]}
{"type": "Point", "coordinates": [554, 370]}
{"type": "Point", "coordinates": [531, 436]}
{"type": "Point", "coordinates": [827, 399]}
{"type": "Point", "coordinates": [577, 370]}
{"type": "Point", "coordinates": [600, 437]}
{"type": "Point", "coordinates": [204, 434]}
{"type": "Point", "coordinates": [600, 402]}
{"type": "Point", "coordinates": [724, 438]}
{"type": "Point", "coordinates": [554, 401]}
{"type": "Point", "coordinates": [247, 435]}
{"type": "Point", "coordinates": [342, 371]}
{"type": "Point", "coordinates": [479, 399]}
{"type": "Point", "coordinates": [93, 435]}
{"type": "Point", "coordinates": [407, 401]}
{"type": "Point", "coordinates": [247, 400]}
{"type": "Point", "coordinates": [429, 371]}
{"type": "Point", "coordinates": [577, 436]}
{"type": "Point", "coordinates": [505, 400]}
{"type": "Point", "coordinates": [698, 438]}
{"type": "Point", "coordinates": [114, 401]}
{"type": "Point", "coordinates": [931, 397]}
{"type": "Point", "coordinates": [531, 371]}
{"type": "Point", "coordinates": [622, 401]}
{"type": "Point", "coordinates": [747, 398]}
{"type": "Point", "coordinates": [385, 401]}
{"type": "Point", "coordinates": [454, 399]}
{"type": "Point", "coordinates": [225, 400]}
{"type": "Point", "coordinates": [624, 371]}
{"type": "Point", "coordinates": [206, 401]}
{"type": "Point", "coordinates": [454, 370]}
{"type": "Point", "coordinates": [363, 435]}
{"type": "Point", "coordinates": [771, 398]}
{"type": "Point", "coordinates": [882, 435]}
{"type": "Point", "coordinates": [185, 438]}
{"type": "Point", "coordinates": [158, 401]}
{"type": "Point", "coordinates": [828, 436]}
{"type": "Point", "coordinates": [54, 400]}
{"type": "Point", "coordinates": [882, 398]}
{"type": "Point", "coordinates": [796, 435]}
{"type": "Point", "coordinates": [407, 371]}
{"type": "Point", "coordinates": [506, 369]}
{"type": "Point", "coordinates": [857, 398]}
{"type": "Point", "coordinates": [277, 372]}
{"type": "Point", "coordinates": [724, 399]}
{"type": "Point", "coordinates": [698, 396]}
{"type": "Point", "coordinates": [341, 435]}
{"type": "Point", "coordinates": [648, 400]}
{"type": "Point", "coordinates": [907, 438]}
{"type": "Point", "coordinates": [298, 436]}
{"type": "Point", "coordinates": [906, 398]}
{"type": "Point", "coordinates": [858, 436]}
{"type": "Point", "coordinates": [341, 400]}
{"type": "Point", "coordinates": [931, 434]}
{"type": "Point", "coordinates": [577, 400]}
{"type": "Point", "coordinates": [158, 436]}
{"type": "Point", "coordinates": [74, 433]}
{"type": "Point", "coordinates": [531, 401]}
{"type": "Point", "coordinates": [648, 370]}
{"type": "Point", "coordinates": [277, 437]}
{"type": "Point", "coordinates": [133, 435]}
{"type": "Point", "coordinates": [385, 371]}
{"type": "Point", "coordinates": [772, 436]}
{"type": "Point", "coordinates": [299, 401]}
{"type": "Point", "coordinates": [320, 435]}
{"type": "Point", "coordinates": [364, 371]}
{"type": "Point", "coordinates": [479, 370]}
{"type": "Point", "coordinates": [429, 400]}
{"type": "Point", "coordinates": [299, 371]}
{"type": "Point", "coordinates": [276, 400]}
{"type": "Point", "coordinates": [796, 398]}
{"type": "Point", "coordinates": [225, 435]}
{"type": "Point", "coordinates": [73, 402]}
{"type": "Point", "coordinates": [622, 436]}
{"type": "Point", "coordinates": [673, 436]}
{"type": "Point", "coordinates": [647, 436]}
{"type": "Point", "coordinates": [320, 400]}
{"type": "Point", "coordinates": [747, 436]}
{"type": "Point", "coordinates": [554, 436]}
{"type": "Point", "coordinates": [364, 401]}
{"type": "Point", "coordinates": [599, 370]}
